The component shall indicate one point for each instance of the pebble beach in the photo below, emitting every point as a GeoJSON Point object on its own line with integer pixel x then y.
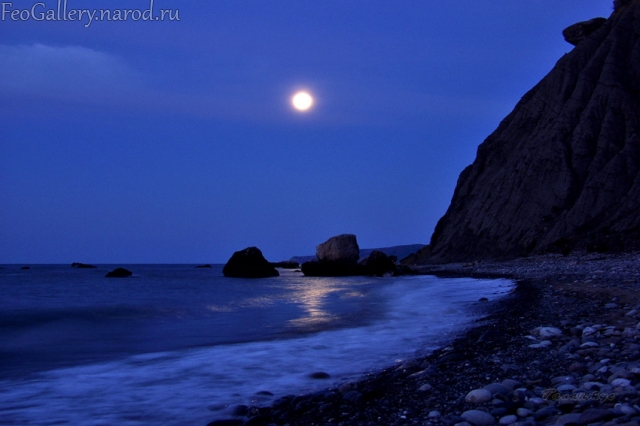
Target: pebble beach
{"type": "Point", "coordinates": [562, 349]}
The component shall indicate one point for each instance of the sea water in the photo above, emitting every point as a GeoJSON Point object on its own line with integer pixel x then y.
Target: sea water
{"type": "Point", "coordinates": [175, 344]}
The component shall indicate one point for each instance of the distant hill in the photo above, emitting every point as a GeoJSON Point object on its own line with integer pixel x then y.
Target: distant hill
{"type": "Point", "coordinates": [399, 251]}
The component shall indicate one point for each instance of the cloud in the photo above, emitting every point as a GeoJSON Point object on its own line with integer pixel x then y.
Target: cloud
{"type": "Point", "coordinates": [70, 72]}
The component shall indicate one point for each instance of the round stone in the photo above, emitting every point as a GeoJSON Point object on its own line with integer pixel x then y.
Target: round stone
{"type": "Point", "coordinates": [507, 420]}
{"type": "Point", "coordinates": [543, 344]}
{"type": "Point", "coordinates": [620, 382]}
{"type": "Point", "coordinates": [478, 418]}
{"type": "Point", "coordinates": [478, 396]}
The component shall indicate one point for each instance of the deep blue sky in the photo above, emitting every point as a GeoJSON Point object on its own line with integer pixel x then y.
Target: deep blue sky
{"type": "Point", "coordinates": [136, 142]}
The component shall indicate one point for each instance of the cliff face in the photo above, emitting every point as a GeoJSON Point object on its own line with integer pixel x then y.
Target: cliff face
{"type": "Point", "coordinates": [561, 172]}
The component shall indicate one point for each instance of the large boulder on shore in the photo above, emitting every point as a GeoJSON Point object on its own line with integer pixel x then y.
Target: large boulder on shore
{"type": "Point", "coordinates": [379, 264]}
{"type": "Point", "coordinates": [249, 263]}
{"type": "Point", "coordinates": [562, 170]}
{"type": "Point", "coordinates": [337, 257]}
{"type": "Point", "coordinates": [343, 248]}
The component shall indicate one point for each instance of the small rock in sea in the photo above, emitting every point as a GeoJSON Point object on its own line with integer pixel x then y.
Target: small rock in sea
{"type": "Point", "coordinates": [507, 420]}
{"type": "Point", "coordinates": [478, 396]}
{"type": "Point", "coordinates": [25, 268]}
{"type": "Point", "coordinates": [82, 265]}
{"type": "Point", "coordinates": [249, 263]}
{"type": "Point", "coordinates": [319, 375]}
{"type": "Point", "coordinates": [204, 266]}
{"type": "Point", "coordinates": [264, 393]}
{"type": "Point", "coordinates": [478, 418]}
{"type": "Point", "coordinates": [543, 344]}
{"type": "Point", "coordinates": [240, 410]}
{"type": "Point", "coordinates": [119, 273]}
{"type": "Point", "coordinates": [483, 299]}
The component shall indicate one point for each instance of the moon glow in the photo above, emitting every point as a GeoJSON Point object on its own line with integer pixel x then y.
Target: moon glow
{"type": "Point", "coordinates": [302, 101]}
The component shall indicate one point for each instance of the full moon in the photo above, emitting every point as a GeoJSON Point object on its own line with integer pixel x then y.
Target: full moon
{"type": "Point", "coordinates": [302, 101]}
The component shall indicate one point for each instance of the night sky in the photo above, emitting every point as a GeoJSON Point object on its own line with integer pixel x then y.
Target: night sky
{"type": "Point", "coordinates": [176, 142]}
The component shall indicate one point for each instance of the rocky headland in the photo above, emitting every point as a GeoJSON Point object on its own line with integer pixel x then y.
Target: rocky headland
{"type": "Point", "coordinates": [562, 170]}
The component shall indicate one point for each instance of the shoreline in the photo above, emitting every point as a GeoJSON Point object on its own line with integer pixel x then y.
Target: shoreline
{"type": "Point", "coordinates": [582, 368]}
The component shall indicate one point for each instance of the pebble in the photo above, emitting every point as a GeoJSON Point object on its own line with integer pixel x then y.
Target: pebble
{"type": "Point", "coordinates": [593, 415]}
{"type": "Point", "coordinates": [478, 396]}
{"type": "Point", "coordinates": [496, 389]}
{"type": "Point", "coordinates": [566, 388]}
{"type": "Point", "coordinates": [620, 382]}
{"type": "Point", "coordinates": [353, 397]}
{"type": "Point", "coordinates": [543, 344]}
{"type": "Point", "coordinates": [547, 332]}
{"type": "Point", "coordinates": [507, 420]}
{"type": "Point", "coordinates": [571, 418]}
{"type": "Point", "coordinates": [624, 409]}
{"type": "Point", "coordinates": [511, 384]}
{"type": "Point", "coordinates": [434, 414]}
{"type": "Point", "coordinates": [478, 418]}
{"type": "Point", "coordinates": [425, 387]}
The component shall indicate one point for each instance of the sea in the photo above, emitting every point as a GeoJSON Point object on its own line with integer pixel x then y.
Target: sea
{"type": "Point", "coordinates": [180, 345]}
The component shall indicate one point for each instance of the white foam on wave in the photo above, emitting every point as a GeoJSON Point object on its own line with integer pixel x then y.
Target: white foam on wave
{"type": "Point", "coordinates": [191, 386]}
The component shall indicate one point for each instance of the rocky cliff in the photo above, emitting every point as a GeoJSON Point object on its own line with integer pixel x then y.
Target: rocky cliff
{"type": "Point", "coordinates": [561, 172]}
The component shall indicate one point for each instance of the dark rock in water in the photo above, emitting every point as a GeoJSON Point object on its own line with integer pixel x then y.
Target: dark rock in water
{"type": "Point", "coordinates": [319, 375]}
{"type": "Point", "coordinates": [240, 410]}
{"type": "Point", "coordinates": [575, 33]}
{"type": "Point", "coordinates": [337, 257]}
{"type": "Point", "coordinates": [204, 266]}
{"type": "Point", "coordinates": [26, 267]}
{"type": "Point", "coordinates": [249, 263]}
{"type": "Point", "coordinates": [82, 265]}
{"type": "Point", "coordinates": [343, 248]}
{"type": "Point", "coordinates": [379, 264]}
{"type": "Point", "coordinates": [229, 422]}
{"type": "Point", "coordinates": [330, 268]}
{"type": "Point", "coordinates": [562, 170]}
{"type": "Point", "coordinates": [286, 264]}
{"type": "Point", "coordinates": [119, 273]}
